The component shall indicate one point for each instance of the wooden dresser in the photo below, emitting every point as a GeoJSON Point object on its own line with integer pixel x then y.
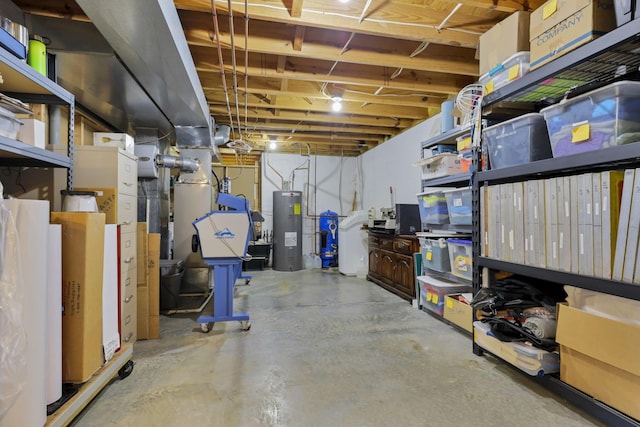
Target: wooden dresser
{"type": "Point", "coordinates": [391, 263]}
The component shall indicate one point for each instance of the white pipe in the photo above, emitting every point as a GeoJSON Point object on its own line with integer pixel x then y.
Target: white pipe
{"type": "Point", "coordinates": [274, 169]}
{"type": "Point", "coordinates": [364, 11]}
{"type": "Point", "coordinates": [234, 70]}
{"type": "Point", "coordinates": [214, 17]}
{"type": "Point", "coordinates": [444, 21]}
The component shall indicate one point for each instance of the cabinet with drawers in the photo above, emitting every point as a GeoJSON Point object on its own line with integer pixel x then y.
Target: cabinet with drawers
{"type": "Point", "coordinates": [391, 263]}
{"type": "Point", "coordinates": [115, 173]}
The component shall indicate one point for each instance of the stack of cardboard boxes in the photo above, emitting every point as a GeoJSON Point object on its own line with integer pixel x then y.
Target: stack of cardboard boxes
{"type": "Point", "coordinates": [552, 30]}
{"type": "Point", "coordinates": [148, 283]}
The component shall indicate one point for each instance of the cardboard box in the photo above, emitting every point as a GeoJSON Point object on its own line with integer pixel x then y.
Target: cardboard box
{"type": "Point", "coordinates": [107, 200]}
{"type": "Point", "coordinates": [143, 254]}
{"type": "Point", "coordinates": [559, 26]}
{"type": "Point", "coordinates": [600, 357]}
{"type": "Point", "coordinates": [504, 40]}
{"type": "Point", "coordinates": [142, 313]}
{"type": "Point", "coordinates": [32, 132]}
{"type": "Point", "coordinates": [82, 270]}
{"type": "Point", "coordinates": [458, 312]}
{"type": "Point", "coordinates": [154, 285]}
{"type": "Point", "coordinates": [107, 139]}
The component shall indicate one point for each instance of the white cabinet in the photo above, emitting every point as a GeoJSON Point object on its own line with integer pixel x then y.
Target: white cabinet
{"type": "Point", "coordinates": [116, 169]}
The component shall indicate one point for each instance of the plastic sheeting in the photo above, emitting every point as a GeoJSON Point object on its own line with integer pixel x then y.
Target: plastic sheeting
{"type": "Point", "coordinates": [13, 365]}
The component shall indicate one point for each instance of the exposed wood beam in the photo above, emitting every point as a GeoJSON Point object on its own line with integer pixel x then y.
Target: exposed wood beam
{"type": "Point", "coordinates": [324, 106]}
{"type": "Point", "coordinates": [298, 39]}
{"type": "Point", "coordinates": [320, 118]}
{"type": "Point", "coordinates": [412, 22]}
{"type": "Point", "coordinates": [509, 6]}
{"type": "Point", "coordinates": [296, 88]}
{"type": "Point", "coordinates": [282, 62]}
{"type": "Point", "coordinates": [329, 128]}
{"type": "Point", "coordinates": [198, 35]}
{"type": "Point", "coordinates": [320, 136]}
{"type": "Point", "coordinates": [296, 8]}
{"type": "Point", "coordinates": [364, 76]}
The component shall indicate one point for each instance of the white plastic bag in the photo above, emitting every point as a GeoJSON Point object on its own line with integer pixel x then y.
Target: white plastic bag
{"type": "Point", "coordinates": [13, 364]}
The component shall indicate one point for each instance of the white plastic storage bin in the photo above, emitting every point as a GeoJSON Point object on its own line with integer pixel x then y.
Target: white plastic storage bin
{"type": "Point", "coordinates": [433, 208]}
{"type": "Point", "coordinates": [602, 118]}
{"type": "Point", "coordinates": [9, 125]}
{"type": "Point", "coordinates": [532, 360]}
{"type": "Point", "coordinates": [512, 69]}
{"type": "Point", "coordinates": [435, 255]}
{"type": "Point", "coordinates": [440, 165]}
{"type": "Point", "coordinates": [459, 205]}
{"type": "Point", "coordinates": [460, 258]}
{"type": "Point", "coordinates": [433, 290]}
{"type": "Point", "coordinates": [517, 141]}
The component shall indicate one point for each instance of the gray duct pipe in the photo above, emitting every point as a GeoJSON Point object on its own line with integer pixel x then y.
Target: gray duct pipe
{"type": "Point", "coordinates": [185, 164]}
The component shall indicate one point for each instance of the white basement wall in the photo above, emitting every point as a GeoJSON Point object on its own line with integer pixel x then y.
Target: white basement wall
{"type": "Point", "coordinates": [391, 165]}
{"type": "Point", "coordinates": [343, 185]}
{"type": "Point", "coordinates": [326, 182]}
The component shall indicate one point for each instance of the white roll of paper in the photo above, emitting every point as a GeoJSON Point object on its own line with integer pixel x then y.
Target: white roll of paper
{"type": "Point", "coordinates": [110, 335]}
{"type": "Point", "coordinates": [54, 315]}
{"type": "Point", "coordinates": [32, 221]}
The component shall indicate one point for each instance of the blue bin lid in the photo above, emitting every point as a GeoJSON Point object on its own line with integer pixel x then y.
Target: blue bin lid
{"type": "Point", "coordinates": [460, 241]}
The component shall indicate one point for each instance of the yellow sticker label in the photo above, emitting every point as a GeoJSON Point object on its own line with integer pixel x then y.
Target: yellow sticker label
{"type": "Point", "coordinates": [297, 209]}
{"type": "Point", "coordinates": [429, 296]}
{"type": "Point", "coordinates": [449, 302]}
{"type": "Point", "coordinates": [429, 255]}
{"type": "Point", "coordinates": [549, 9]}
{"type": "Point", "coordinates": [434, 298]}
{"type": "Point", "coordinates": [488, 88]}
{"type": "Point", "coordinates": [580, 132]}
{"type": "Point", "coordinates": [514, 72]}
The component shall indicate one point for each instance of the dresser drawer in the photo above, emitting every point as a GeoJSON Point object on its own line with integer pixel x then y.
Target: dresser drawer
{"type": "Point", "coordinates": [403, 246]}
{"type": "Point", "coordinates": [128, 251]}
{"type": "Point", "coordinates": [129, 315]}
{"type": "Point", "coordinates": [386, 243]}
{"type": "Point", "coordinates": [127, 213]}
{"type": "Point", "coordinates": [127, 176]}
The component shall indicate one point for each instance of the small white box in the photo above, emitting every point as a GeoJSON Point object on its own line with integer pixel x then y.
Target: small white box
{"type": "Point", "coordinates": [107, 139]}
{"type": "Point", "coordinates": [32, 132]}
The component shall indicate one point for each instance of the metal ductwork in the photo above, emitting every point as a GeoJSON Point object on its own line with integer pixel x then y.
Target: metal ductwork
{"type": "Point", "coordinates": [185, 164]}
{"type": "Point", "coordinates": [147, 37]}
{"type": "Point", "coordinates": [221, 135]}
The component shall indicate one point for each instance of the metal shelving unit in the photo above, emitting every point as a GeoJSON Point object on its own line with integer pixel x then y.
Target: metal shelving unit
{"type": "Point", "coordinates": [613, 287]}
{"type": "Point", "coordinates": [458, 228]}
{"type": "Point", "coordinates": [620, 156]}
{"type": "Point", "coordinates": [604, 60]}
{"type": "Point", "coordinates": [457, 180]}
{"type": "Point", "coordinates": [447, 276]}
{"type": "Point", "coordinates": [22, 82]}
{"type": "Point", "coordinates": [448, 137]}
{"type": "Point", "coordinates": [596, 62]}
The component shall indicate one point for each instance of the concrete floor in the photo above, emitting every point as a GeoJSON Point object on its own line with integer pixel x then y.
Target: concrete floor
{"type": "Point", "coordinates": [323, 350]}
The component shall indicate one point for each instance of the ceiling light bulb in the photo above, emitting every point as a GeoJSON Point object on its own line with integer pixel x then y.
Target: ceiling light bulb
{"type": "Point", "coordinates": [344, 1]}
{"type": "Point", "coordinates": [272, 145]}
{"type": "Point", "coordinates": [337, 104]}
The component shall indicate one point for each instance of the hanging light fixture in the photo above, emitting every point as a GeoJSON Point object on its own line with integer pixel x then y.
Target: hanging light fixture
{"type": "Point", "coordinates": [272, 144]}
{"type": "Point", "coordinates": [337, 104]}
